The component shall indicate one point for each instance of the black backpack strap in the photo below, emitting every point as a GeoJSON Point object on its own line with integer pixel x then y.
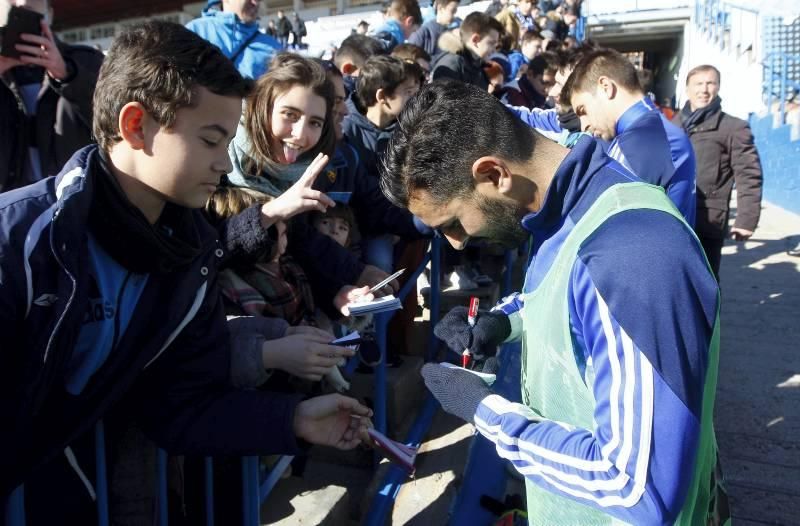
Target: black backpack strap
{"type": "Point", "coordinates": [244, 45]}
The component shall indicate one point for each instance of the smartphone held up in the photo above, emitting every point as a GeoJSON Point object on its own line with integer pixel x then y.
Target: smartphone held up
{"type": "Point", "coordinates": [14, 22]}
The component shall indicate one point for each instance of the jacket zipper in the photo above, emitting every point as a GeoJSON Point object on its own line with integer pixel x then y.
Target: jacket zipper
{"type": "Point", "coordinates": [71, 295]}
{"type": "Point", "coordinates": [120, 295]}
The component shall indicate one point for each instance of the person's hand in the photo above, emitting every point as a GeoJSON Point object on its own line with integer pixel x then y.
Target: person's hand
{"type": "Point", "coordinates": [333, 420]}
{"type": "Point", "coordinates": [308, 330]}
{"type": "Point", "coordinates": [305, 354]}
{"type": "Point", "coordinates": [372, 275]}
{"type": "Point", "coordinates": [349, 294]}
{"type": "Point", "coordinates": [740, 234]}
{"type": "Point", "coordinates": [490, 330]}
{"type": "Point", "coordinates": [460, 392]}
{"type": "Point", "coordinates": [6, 63]}
{"type": "Point", "coordinates": [43, 51]}
{"type": "Point", "coordinates": [299, 198]}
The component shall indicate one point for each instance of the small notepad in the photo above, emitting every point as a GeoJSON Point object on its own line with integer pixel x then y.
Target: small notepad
{"type": "Point", "coordinates": [397, 452]}
{"type": "Point", "coordinates": [382, 304]}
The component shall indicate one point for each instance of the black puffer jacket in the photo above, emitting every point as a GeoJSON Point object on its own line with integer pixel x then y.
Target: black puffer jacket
{"type": "Point", "coordinates": [725, 154]}
{"type": "Point", "coordinates": [462, 65]}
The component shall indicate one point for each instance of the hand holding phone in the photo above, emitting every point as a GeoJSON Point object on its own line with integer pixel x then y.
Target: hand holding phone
{"type": "Point", "coordinates": [19, 21]}
{"type": "Point", "coordinates": [27, 39]}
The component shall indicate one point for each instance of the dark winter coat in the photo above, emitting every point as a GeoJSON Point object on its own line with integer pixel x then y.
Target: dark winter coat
{"type": "Point", "coordinates": [463, 66]}
{"type": "Point", "coordinates": [725, 154]}
{"type": "Point", "coordinates": [63, 120]}
{"type": "Point", "coordinates": [284, 27]}
{"type": "Point", "coordinates": [171, 366]}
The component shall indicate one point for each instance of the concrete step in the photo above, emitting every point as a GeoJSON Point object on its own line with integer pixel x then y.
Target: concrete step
{"type": "Point", "coordinates": [427, 498]}
{"type": "Point", "coordinates": [297, 502]}
{"type": "Point", "coordinates": [405, 390]}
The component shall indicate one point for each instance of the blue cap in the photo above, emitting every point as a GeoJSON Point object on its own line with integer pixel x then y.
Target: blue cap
{"type": "Point", "coordinates": [213, 3]}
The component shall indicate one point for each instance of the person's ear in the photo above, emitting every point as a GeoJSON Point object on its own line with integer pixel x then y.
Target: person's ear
{"type": "Point", "coordinates": [607, 87]}
{"type": "Point", "coordinates": [492, 175]}
{"type": "Point", "coordinates": [380, 96]}
{"type": "Point", "coordinates": [349, 68]}
{"type": "Point", "coordinates": [475, 38]}
{"type": "Point", "coordinates": [131, 124]}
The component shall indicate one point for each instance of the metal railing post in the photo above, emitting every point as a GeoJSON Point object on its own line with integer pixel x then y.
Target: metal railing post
{"type": "Point", "coordinates": [161, 487]}
{"type": "Point", "coordinates": [251, 504]}
{"type": "Point", "coordinates": [379, 409]}
{"type": "Point", "coordinates": [101, 481]}
{"type": "Point", "coordinates": [436, 287]}
{"type": "Point", "coordinates": [15, 507]}
{"type": "Point", "coordinates": [208, 473]}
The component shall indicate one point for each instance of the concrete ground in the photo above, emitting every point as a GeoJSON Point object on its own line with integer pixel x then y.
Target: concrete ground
{"type": "Point", "coordinates": [758, 395]}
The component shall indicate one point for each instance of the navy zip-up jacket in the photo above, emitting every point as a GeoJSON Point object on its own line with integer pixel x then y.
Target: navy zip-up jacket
{"type": "Point", "coordinates": [375, 214]}
{"type": "Point", "coordinates": [172, 365]}
{"type": "Point", "coordinates": [647, 144]}
{"type": "Point", "coordinates": [368, 140]}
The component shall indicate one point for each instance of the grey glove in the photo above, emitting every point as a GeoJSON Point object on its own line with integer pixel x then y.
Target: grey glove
{"type": "Point", "coordinates": [490, 330]}
{"type": "Point", "coordinates": [460, 392]}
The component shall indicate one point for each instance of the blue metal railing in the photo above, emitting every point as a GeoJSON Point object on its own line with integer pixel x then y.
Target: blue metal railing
{"type": "Point", "coordinates": [255, 485]}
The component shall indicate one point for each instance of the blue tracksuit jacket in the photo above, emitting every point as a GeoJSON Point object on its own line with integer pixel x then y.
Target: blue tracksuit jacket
{"type": "Point", "coordinates": [641, 295]}
{"type": "Point", "coordinates": [647, 144]}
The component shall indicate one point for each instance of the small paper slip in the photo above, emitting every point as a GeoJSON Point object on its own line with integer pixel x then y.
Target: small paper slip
{"type": "Point", "coordinates": [398, 453]}
{"type": "Point", "coordinates": [340, 197]}
{"type": "Point", "coordinates": [382, 304]}
{"type": "Point", "coordinates": [488, 378]}
{"type": "Point", "coordinates": [354, 337]}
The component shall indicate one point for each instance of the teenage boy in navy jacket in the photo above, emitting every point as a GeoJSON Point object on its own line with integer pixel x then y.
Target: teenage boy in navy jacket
{"type": "Point", "coordinates": [107, 282]}
{"type": "Point", "coordinates": [384, 87]}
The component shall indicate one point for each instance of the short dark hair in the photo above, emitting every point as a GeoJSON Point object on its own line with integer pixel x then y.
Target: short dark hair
{"type": "Point", "coordinates": [705, 68]}
{"type": "Point", "coordinates": [479, 23]}
{"type": "Point", "coordinates": [531, 35]}
{"type": "Point", "coordinates": [569, 58]}
{"type": "Point", "coordinates": [384, 73]}
{"type": "Point", "coordinates": [410, 52]}
{"type": "Point", "coordinates": [475, 124]}
{"type": "Point", "coordinates": [540, 64]}
{"type": "Point", "coordinates": [357, 49]}
{"type": "Point", "coordinates": [405, 8]}
{"type": "Point", "coordinates": [441, 4]}
{"type": "Point", "coordinates": [604, 63]}
{"type": "Point", "coordinates": [159, 65]}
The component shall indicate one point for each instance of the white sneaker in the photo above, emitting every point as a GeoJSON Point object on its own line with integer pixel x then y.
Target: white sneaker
{"type": "Point", "coordinates": [423, 285]}
{"type": "Point", "coordinates": [460, 280]}
{"type": "Point", "coordinates": [481, 279]}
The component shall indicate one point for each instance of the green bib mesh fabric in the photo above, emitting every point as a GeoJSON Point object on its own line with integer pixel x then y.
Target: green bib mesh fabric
{"type": "Point", "coordinates": [553, 386]}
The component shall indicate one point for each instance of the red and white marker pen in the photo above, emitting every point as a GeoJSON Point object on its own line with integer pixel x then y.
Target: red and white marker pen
{"type": "Point", "coordinates": [472, 317]}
